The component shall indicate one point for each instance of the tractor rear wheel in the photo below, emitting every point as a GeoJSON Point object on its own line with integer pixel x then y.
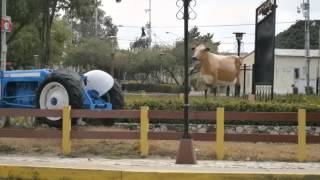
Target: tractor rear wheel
{"type": "Point", "coordinates": [115, 96]}
{"type": "Point", "coordinates": [61, 88]}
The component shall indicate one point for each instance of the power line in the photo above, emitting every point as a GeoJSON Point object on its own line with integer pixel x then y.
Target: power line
{"type": "Point", "coordinates": [201, 26]}
{"type": "Point", "coordinates": [168, 42]}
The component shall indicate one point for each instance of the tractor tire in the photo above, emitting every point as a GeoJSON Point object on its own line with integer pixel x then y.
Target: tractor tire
{"type": "Point", "coordinates": [61, 88]}
{"type": "Point", "coordinates": [115, 97]}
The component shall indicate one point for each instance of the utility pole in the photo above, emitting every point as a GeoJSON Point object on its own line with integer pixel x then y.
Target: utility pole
{"type": "Point", "coordinates": [149, 23]}
{"type": "Point", "coordinates": [96, 21]}
{"type": "Point", "coordinates": [305, 7]}
{"type": "Point", "coordinates": [3, 37]}
{"type": "Point", "coordinates": [307, 45]}
{"type": "Point", "coordinates": [150, 29]}
{"type": "Point", "coordinates": [318, 78]}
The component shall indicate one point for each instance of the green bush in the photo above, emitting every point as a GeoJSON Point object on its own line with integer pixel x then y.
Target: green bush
{"type": "Point", "coordinates": [211, 105]}
{"type": "Point", "coordinates": [233, 105]}
{"type": "Point", "coordinates": [162, 88]}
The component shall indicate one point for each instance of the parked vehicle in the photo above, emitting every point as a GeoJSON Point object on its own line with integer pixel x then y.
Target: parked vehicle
{"type": "Point", "coordinates": [50, 89]}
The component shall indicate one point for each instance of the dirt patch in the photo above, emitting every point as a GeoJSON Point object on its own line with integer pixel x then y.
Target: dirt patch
{"type": "Point", "coordinates": [116, 149]}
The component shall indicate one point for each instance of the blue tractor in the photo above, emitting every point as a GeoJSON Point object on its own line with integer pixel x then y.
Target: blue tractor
{"type": "Point", "coordinates": [49, 89]}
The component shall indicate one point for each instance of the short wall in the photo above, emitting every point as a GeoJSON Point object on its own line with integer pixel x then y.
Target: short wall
{"type": "Point", "coordinates": [229, 129]}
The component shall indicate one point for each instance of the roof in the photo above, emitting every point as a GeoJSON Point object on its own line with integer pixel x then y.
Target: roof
{"type": "Point", "coordinates": [235, 54]}
{"type": "Point", "coordinates": [296, 52]}
{"type": "Point", "coordinates": [291, 53]}
{"type": "Point", "coordinates": [244, 57]}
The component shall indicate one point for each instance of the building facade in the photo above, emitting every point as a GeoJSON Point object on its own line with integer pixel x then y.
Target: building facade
{"type": "Point", "coordinates": [289, 71]}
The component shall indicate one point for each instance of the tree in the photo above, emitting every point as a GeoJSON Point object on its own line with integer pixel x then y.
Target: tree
{"type": "Point", "coordinates": [103, 30]}
{"type": "Point", "coordinates": [26, 45]}
{"type": "Point", "coordinates": [196, 38]}
{"type": "Point", "coordinates": [88, 27]}
{"type": "Point", "coordinates": [23, 48]}
{"type": "Point", "coordinates": [61, 36]}
{"type": "Point", "coordinates": [293, 38]}
{"type": "Point", "coordinates": [91, 53]}
{"type": "Point", "coordinates": [75, 8]}
{"type": "Point", "coordinates": [23, 13]}
{"type": "Point", "coordinates": [140, 43]}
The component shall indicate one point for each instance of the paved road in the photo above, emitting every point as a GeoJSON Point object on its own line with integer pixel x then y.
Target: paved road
{"type": "Point", "coordinates": [164, 165]}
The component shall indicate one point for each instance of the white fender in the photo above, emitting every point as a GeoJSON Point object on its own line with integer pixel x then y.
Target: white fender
{"type": "Point", "coordinates": [99, 81]}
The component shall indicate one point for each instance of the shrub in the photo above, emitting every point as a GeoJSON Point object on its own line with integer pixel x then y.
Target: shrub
{"type": "Point", "coordinates": [199, 104]}
{"type": "Point", "coordinates": [161, 88]}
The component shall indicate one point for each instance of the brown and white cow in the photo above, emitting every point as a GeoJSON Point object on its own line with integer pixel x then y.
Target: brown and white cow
{"type": "Point", "coordinates": [217, 69]}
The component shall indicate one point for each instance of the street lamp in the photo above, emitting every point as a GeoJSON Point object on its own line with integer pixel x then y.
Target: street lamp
{"type": "Point", "coordinates": [239, 37]}
{"type": "Point", "coordinates": [186, 153]}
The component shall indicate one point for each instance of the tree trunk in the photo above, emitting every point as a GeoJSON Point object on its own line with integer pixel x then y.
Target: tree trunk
{"type": "Point", "coordinates": [13, 35]}
{"type": "Point", "coordinates": [173, 76]}
{"type": "Point", "coordinates": [143, 81]}
{"type": "Point", "coordinates": [43, 33]}
{"type": "Point", "coordinates": [47, 20]}
{"type": "Point", "coordinates": [112, 67]}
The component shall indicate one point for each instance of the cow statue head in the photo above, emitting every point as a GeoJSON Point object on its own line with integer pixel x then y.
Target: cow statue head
{"type": "Point", "coordinates": [200, 52]}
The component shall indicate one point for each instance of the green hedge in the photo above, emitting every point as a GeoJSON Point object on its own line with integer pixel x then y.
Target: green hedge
{"type": "Point", "coordinates": [211, 105]}
{"type": "Point", "coordinates": [161, 88]}
{"type": "Point", "coordinates": [237, 105]}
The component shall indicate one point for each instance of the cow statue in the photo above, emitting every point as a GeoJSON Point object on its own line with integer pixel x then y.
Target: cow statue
{"type": "Point", "coordinates": [217, 69]}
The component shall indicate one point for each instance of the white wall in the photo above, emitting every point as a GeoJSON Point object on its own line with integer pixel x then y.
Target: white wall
{"type": "Point", "coordinates": [284, 74]}
{"type": "Point", "coordinates": [285, 63]}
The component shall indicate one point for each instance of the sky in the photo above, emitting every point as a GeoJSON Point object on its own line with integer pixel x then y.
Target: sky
{"type": "Point", "coordinates": [212, 16]}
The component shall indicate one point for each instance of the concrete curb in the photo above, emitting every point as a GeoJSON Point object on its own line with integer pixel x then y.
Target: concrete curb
{"type": "Point", "coordinates": [62, 173]}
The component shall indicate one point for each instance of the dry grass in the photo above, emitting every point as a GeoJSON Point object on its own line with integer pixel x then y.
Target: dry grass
{"type": "Point", "coordinates": [158, 149]}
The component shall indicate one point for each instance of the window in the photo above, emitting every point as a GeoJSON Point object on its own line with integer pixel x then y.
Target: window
{"type": "Point", "coordinates": [296, 73]}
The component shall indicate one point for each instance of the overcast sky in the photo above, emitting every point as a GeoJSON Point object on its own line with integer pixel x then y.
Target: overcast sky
{"type": "Point", "coordinates": [167, 28]}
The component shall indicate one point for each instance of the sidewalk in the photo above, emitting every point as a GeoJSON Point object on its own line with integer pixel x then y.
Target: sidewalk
{"type": "Point", "coordinates": [70, 168]}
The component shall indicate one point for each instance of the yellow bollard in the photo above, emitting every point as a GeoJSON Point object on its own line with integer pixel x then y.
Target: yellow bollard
{"type": "Point", "coordinates": [220, 134]}
{"type": "Point", "coordinates": [66, 130]}
{"type": "Point", "coordinates": [301, 135]}
{"type": "Point", "coordinates": [144, 128]}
